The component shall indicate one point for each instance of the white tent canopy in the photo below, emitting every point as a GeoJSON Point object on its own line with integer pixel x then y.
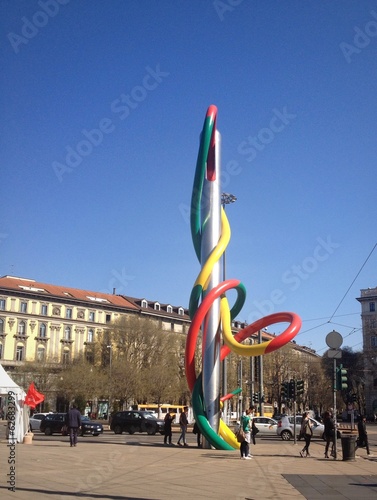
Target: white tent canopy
{"type": "Point", "coordinates": [14, 396]}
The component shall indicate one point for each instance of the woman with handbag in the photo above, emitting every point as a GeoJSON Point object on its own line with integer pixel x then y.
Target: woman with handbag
{"type": "Point", "coordinates": [246, 422]}
{"type": "Point", "coordinates": [307, 432]}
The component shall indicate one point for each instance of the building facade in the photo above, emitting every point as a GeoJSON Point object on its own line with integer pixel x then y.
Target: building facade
{"type": "Point", "coordinates": [368, 301]}
{"type": "Point", "coordinates": [55, 324]}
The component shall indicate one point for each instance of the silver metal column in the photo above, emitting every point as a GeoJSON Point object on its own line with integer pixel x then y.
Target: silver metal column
{"type": "Point", "coordinates": [211, 230]}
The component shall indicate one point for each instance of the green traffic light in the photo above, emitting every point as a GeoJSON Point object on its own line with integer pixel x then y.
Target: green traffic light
{"type": "Point", "coordinates": [341, 378]}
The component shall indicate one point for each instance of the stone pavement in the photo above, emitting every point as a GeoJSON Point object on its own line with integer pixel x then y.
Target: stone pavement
{"type": "Point", "coordinates": [100, 468]}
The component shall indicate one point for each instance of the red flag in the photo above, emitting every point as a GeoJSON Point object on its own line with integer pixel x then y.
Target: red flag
{"type": "Point", "coordinates": [33, 397]}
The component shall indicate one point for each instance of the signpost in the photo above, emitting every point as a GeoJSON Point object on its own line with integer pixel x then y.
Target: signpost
{"type": "Point", "coordinates": [334, 340]}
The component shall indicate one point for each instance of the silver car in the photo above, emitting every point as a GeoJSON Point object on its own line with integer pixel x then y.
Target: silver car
{"type": "Point", "coordinates": [35, 421]}
{"type": "Point", "coordinates": [266, 426]}
{"type": "Point", "coordinates": [286, 426]}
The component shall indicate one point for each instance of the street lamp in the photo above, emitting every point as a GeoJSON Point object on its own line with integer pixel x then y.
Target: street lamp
{"type": "Point", "coordinates": [226, 199]}
{"type": "Point", "coordinates": [110, 347]}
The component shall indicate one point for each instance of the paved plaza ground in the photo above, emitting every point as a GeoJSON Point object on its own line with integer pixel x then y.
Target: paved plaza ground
{"type": "Point", "coordinates": [140, 466]}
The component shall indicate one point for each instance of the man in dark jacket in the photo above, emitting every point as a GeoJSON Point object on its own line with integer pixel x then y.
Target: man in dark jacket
{"type": "Point", "coordinates": [73, 421]}
{"type": "Point", "coordinates": [363, 435]}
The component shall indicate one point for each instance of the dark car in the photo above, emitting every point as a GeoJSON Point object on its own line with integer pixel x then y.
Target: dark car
{"type": "Point", "coordinates": [136, 421]}
{"type": "Point", "coordinates": [90, 427]}
{"type": "Point", "coordinates": [54, 423]}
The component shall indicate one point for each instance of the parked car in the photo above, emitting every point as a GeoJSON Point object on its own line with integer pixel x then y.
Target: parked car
{"type": "Point", "coordinates": [136, 421]}
{"type": "Point", "coordinates": [286, 427]}
{"type": "Point", "coordinates": [53, 424]}
{"type": "Point", "coordinates": [267, 426]}
{"type": "Point", "coordinates": [35, 421]}
{"type": "Point", "coordinates": [90, 427]}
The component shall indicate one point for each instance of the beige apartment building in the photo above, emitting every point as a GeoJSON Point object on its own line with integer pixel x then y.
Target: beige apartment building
{"type": "Point", "coordinates": [54, 324]}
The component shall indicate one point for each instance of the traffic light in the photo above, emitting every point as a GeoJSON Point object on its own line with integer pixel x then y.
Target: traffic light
{"type": "Point", "coordinates": [284, 390]}
{"type": "Point", "coordinates": [341, 378]}
{"type": "Point", "coordinates": [256, 397]}
{"type": "Point", "coordinates": [292, 389]}
{"type": "Point", "coordinates": [299, 387]}
{"type": "Point", "coordinates": [353, 398]}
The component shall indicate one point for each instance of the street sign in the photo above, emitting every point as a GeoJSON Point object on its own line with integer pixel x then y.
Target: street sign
{"type": "Point", "coordinates": [334, 353]}
{"type": "Point", "coordinates": [334, 340]}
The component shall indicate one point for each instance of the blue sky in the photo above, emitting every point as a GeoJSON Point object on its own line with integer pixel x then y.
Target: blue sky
{"type": "Point", "coordinates": [103, 104]}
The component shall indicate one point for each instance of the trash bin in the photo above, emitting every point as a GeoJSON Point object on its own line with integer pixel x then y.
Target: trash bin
{"type": "Point", "coordinates": [348, 446]}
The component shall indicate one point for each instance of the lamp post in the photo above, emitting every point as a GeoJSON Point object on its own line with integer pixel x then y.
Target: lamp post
{"type": "Point", "coordinates": [226, 199]}
{"type": "Point", "coordinates": [110, 347]}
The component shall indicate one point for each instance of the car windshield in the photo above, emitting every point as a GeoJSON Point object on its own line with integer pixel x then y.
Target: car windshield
{"type": "Point", "coordinates": [148, 415]}
{"type": "Point", "coordinates": [85, 418]}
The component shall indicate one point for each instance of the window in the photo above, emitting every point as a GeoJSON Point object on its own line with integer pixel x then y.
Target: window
{"type": "Point", "coordinates": [108, 318]}
{"type": "Point", "coordinates": [157, 306]}
{"type": "Point", "coordinates": [91, 316]}
{"type": "Point", "coordinates": [2, 304]}
{"type": "Point", "coordinates": [90, 335]}
{"type": "Point", "coordinates": [67, 333]}
{"type": "Point", "coordinates": [68, 313]}
{"type": "Point", "coordinates": [1, 326]}
{"type": "Point", "coordinates": [21, 328]}
{"type": "Point", "coordinates": [373, 341]}
{"type": "Point", "coordinates": [42, 330]}
{"type": "Point", "coordinates": [44, 309]}
{"type": "Point", "coordinates": [181, 311]}
{"type": "Point", "coordinates": [144, 304]}
{"type": "Point", "coordinates": [66, 356]}
{"type": "Point", "coordinates": [372, 306]}
{"type": "Point", "coordinates": [41, 353]}
{"type": "Point", "coordinates": [169, 309]}
{"type": "Point", "coordinates": [89, 355]}
{"type": "Point", "coordinates": [1, 351]}
{"type": "Point", "coordinates": [20, 351]}
{"type": "Point", "coordinates": [23, 307]}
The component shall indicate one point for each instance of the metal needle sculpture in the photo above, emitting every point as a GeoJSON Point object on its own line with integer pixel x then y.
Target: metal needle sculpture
{"type": "Point", "coordinates": [209, 307]}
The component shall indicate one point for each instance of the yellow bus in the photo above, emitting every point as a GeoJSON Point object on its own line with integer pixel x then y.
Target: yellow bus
{"type": "Point", "coordinates": [159, 411]}
{"type": "Point", "coordinates": [268, 410]}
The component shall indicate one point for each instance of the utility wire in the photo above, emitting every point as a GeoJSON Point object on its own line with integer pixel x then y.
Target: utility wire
{"type": "Point", "coordinates": [344, 296]}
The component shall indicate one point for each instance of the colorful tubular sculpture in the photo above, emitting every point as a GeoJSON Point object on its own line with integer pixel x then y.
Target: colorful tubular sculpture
{"type": "Point", "coordinates": [209, 307]}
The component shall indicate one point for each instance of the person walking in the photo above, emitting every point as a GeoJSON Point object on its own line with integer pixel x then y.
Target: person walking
{"type": "Point", "coordinates": [329, 425]}
{"type": "Point", "coordinates": [306, 432]}
{"type": "Point", "coordinates": [246, 424]}
{"type": "Point", "coordinates": [363, 435]}
{"type": "Point", "coordinates": [183, 423]}
{"type": "Point", "coordinates": [168, 423]}
{"type": "Point", "coordinates": [73, 421]}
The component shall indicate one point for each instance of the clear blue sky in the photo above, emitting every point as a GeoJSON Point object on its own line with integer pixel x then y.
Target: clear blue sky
{"type": "Point", "coordinates": [295, 84]}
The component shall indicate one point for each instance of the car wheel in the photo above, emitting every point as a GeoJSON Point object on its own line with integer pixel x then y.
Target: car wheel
{"type": "Point", "coordinates": [48, 431]}
{"type": "Point", "coordinates": [97, 434]}
{"type": "Point", "coordinates": [118, 429]}
{"type": "Point", "coordinates": [132, 430]}
{"type": "Point", "coordinates": [151, 431]}
{"type": "Point", "coordinates": [286, 436]}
